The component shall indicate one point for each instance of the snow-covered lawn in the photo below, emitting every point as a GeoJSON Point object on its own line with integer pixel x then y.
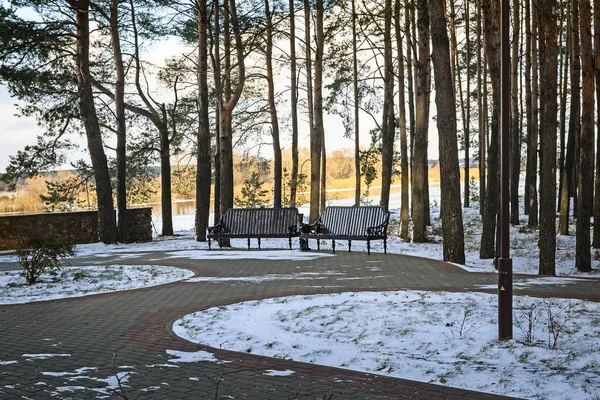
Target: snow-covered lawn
{"type": "Point", "coordinates": [444, 338]}
{"type": "Point", "coordinates": [82, 281]}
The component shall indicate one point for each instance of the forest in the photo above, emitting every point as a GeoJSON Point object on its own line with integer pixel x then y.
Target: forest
{"type": "Point", "coordinates": [252, 73]}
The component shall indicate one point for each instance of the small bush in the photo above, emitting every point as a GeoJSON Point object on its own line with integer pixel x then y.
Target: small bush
{"type": "Point", "coordinates": [38, 253]}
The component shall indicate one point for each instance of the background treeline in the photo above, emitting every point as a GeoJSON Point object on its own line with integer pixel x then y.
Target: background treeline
{"type": "Point", "coordinates": [252, 72]}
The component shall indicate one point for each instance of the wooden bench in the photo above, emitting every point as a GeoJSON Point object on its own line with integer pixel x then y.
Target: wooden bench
{"type": "Point", "coordinates": [258, 223]}
{"type": "Point", "coordinates": [348, 223]}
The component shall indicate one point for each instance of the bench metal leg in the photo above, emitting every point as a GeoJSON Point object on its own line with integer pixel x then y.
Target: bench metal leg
{"type": "Point", "coordinates": [220, 243]}
{"type": "Point", "coordinates": [209, 243]}
{"type": "Point", "coordinates": [318, 244]}
{"type": "Point", "coordinates": [333, 245]}
{"type": "Point", "coordinates": [349, 246]}
{"type": "Point", "coordinates": [290, 240]}
{"type": "Point", "coordinates": [384, 246]}
{"type": "Point", "coordinates": [304, 244]}
{"type": "Point", "coordinates": [368, 247]}
{"type": "Point", "coordinates": [248, 243]}
{"type": "Point", "coordinates": [258, 243]}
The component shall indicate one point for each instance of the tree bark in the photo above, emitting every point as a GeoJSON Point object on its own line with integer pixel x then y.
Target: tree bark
{"type": "Point", "coordinates": [491, 21]}
{"type": "Point", "coordinates": [531, 168]}
{"type": "Point", "coordinates": [467, 121]}
{"type": "Point", "coordinates": [404, 212]}
{"type": "Point", "coordinates": [357, 180]}
{"type": "Point", "coordinates": [219, 105]}
{"type": "Point", "coordinates": [203, 136]}
{"type": "Point", "coordinates": [596, 211]}
{"type": "Point", "coordinates": [119, 99]}
{"type": "Point", "coordinates": [277, 161]}
{"type": "Point", "coordinates": [515, 132]}
{"type": "Point", "coordinates": [574, 124]}
{"type": "Point", "coordinates": [294, 107]}
{"type": "Point", "coordinates": [563, 61]}
{"type": "Point", "coordinates": [480, 111]}
{"type": "Point", "coordinates": [319, 130]}
{"type": "Point", "coordinates": [107, 226]}
{"type": "Point", "coordinates": [420, 167]}
{"type": "Point", "coordinates": [452, 225]}
{"type": "Point", "coordinates": [583, 260]}
{"type": "Point", "coordinates": [226, 198]}
{"type": "Point", "coordinates": [315, 145]}
{"type": "Point", "coordinates": [410, 35]}
{"type": "Point", "coordinates": [548, 91]}
{"type": "Point", "coordinates": [387, 125]}
{"type": "Point", "coordinates": [160, 121]}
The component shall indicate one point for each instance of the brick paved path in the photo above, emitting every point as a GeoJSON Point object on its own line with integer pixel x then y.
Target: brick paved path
{"type": "Point", "coordinates": [130, 332]}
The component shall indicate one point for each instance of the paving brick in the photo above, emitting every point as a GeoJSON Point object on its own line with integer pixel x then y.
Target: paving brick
{"type": "Point", "coordinates": [133, 325]}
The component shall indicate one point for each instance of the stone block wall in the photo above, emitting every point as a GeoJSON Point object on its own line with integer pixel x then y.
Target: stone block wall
{"type": "Point", "coordinates": [139, 224]}
{"type": "Point", "coordinates": [77, 227]}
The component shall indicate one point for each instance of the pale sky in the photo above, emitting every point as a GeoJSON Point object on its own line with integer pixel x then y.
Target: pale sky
{"type": "Point", "coordinates": [17, 132]}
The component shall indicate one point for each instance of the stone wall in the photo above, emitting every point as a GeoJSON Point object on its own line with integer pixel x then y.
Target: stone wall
{"type": "Point", "coordinates": [139, 225]}
{"type": "Point", "coordinates": [76, 227]}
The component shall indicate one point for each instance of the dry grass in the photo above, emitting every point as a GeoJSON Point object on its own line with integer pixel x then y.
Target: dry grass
{"type": "Point", "coordinates": [340, 164]}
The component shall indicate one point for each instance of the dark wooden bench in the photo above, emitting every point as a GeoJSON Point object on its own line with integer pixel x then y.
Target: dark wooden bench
{"type": "Point", "coordinates": [256, 223]}
{"type": "Point", "coordinates": [348, 223]}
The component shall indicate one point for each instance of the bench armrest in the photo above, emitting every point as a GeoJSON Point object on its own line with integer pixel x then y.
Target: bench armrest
{"type": "Point", "coordinates": [215, 230]}
{"type": "Point", "coordinates": [293, 230]}
{"type": "Point", "coordinates": [379, 230]}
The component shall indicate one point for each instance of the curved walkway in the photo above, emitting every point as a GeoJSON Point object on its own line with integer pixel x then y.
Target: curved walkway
{"type": "Point", "coordinates": [92, 339]}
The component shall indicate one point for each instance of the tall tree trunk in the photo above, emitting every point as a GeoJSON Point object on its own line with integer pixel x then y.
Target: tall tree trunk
{"type": "Point", "coordinates": [452, 225]}
{"type": "Point", "coordinates": [219, 106]}
{"type": "Point", "coordinates": [277, 161]}
{"type": "Point", "coordinates": [404, 214]}
{"type": "Point", "coordinates": [491, 21]}
{"type": "Point", "coordinates": [526, 72]}
{"type": "Point", "coordinates": [319, 129]}
{"type": "Point", "coordinates": [420, 167]}
{"type": "Point", "coordinates": [315, 145]}
{"type": "Point", "coordinates": [480, 110]}
{"type": "Point", "coordinates": [158, 119]}
{"type": "Point", "coordinates": [357, 182]}
{"type": "Point", "coordinates": [227, 111]}
{"type": "Point", "coordinates": [107, 225]}
{"type": "Point", "coordinates": [515, 132]}
{"type": "Point", "coordinates": [564, 54]}
{"type": "Point", "coordinates": [535, 114]}
{"type": "Point", "coordinates": [165, 178]}
{"type": "Point", "coordinates": [531, 168]}
{"type": "Point", "coordinates": [121, 123]}
{"type": "Point", "coordinates": [583, 260]}
{"type": "Point", "coordinates": [203, 136]}
{"type": "Point", "coordinates": [387, 126]}
{"type": "Point", "coordinates": [467, 120]}
{"type": "Point", "coordinates": [323, 201]}
{"type": "Point", "coordinates": [294, 107]}
{"type": "Point", "coordinates": [409, 27]}
{"type": "Point", "coordinates": [574, 124]}
{"type": "Point", "coordinates": [548, 92]}
{"type": "Point", "coordinates": [596, 211]}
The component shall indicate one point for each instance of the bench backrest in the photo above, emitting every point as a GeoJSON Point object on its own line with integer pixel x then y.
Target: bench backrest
{"type": "Point", "coordinates": [259, 221]}
{"type": "Point", "coordinates": [352, 220]}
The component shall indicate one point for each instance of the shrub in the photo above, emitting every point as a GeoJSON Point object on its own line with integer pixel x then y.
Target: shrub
{"type": "Point", "coordinates": [37, 253]}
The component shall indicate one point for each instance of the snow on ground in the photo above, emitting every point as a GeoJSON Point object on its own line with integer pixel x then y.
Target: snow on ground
{"type": "Point", "coordinates": [274, 372]}
{"type": "Point", "coordinates": [443, 338]}
{"type": "Point", "coordinates": [82, 281]}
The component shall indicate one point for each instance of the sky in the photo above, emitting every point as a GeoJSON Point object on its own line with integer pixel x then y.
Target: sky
{"type": "Point", "coordinates": [17, 132]}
